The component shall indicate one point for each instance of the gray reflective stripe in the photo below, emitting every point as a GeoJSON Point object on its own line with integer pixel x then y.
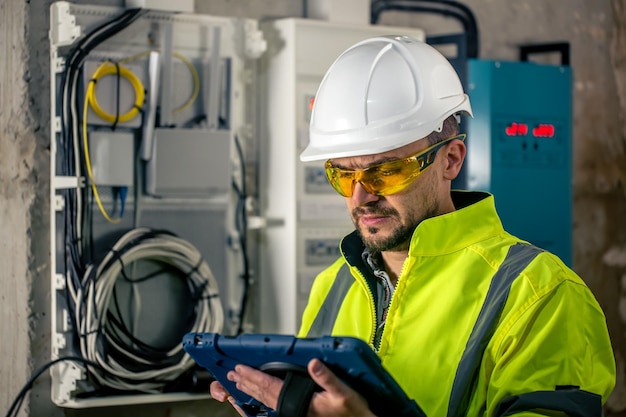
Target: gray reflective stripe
{"type": "Point", "coordinates": [518, 258]}
{"type": "Point", "coordinates": [325, 319]}
{"type": "Point", "coordinates": [572, 401]}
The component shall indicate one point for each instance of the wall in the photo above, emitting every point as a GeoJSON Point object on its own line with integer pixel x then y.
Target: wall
{"type": "Point", "coordinates": [596, 31]}
{"type": "Point", "coordinates": [22, 174]}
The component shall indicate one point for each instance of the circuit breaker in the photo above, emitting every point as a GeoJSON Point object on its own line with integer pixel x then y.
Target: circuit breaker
{"type": "Point", "coordinates": [306, 218]}
{"type": "Point", "coordinates": [520, 148]}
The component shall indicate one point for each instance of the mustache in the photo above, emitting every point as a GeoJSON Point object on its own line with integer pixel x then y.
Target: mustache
{"type": "Point", "coordinates": [374, 210]}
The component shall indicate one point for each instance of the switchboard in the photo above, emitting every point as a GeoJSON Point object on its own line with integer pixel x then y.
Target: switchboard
{"type": "Point", "coordinates": [520, 148]}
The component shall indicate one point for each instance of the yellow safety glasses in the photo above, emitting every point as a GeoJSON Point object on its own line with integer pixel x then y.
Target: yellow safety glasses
{"type": "Point", "coordinates": [385, 178]}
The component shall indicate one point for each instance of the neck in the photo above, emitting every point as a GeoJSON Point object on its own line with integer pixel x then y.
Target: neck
{"type": "Point", "coordinates": [393, 261]}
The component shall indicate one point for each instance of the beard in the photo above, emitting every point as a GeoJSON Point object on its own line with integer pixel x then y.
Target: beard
{"type": "Point", "coordinates": [399, 237]}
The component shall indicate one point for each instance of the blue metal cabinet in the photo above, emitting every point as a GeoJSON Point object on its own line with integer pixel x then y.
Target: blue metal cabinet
{"type": "Point", "coordinates": [520, 148]}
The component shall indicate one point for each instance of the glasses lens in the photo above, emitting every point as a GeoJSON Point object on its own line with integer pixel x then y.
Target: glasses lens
{"type": "Point", "coordinates": [385, 178]}
{"type": "Point", "coordinates": [390, 177]}
{"type": "Point", "coordinates": [342, 181]}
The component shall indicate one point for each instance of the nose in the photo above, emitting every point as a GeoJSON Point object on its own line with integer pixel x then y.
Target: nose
{"type": "Point", "coordinates": [361, 197]}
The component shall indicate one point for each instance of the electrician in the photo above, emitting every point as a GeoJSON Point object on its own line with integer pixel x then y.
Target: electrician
{"type": "Point", "coordinates": [470, 320]}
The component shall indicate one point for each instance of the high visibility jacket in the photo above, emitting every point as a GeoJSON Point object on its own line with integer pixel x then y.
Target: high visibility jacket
{"type": "Point", "coordinates": [481, 323]}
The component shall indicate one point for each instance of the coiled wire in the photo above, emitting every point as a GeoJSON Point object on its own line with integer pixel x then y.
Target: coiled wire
{"type": "Point", "coordinates": [97, 337]}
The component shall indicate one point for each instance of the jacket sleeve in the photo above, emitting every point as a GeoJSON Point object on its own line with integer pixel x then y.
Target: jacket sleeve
{"type": "Point", "coordinates": [321, 286]}
{"type": "Point", "coordinates": [552, 351]}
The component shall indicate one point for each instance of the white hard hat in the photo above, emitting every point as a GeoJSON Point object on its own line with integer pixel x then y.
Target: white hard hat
{"type": "Point", "coordinates": [381, 94]}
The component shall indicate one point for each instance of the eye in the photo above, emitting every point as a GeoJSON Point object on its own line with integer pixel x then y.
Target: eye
{"type": "Point", "coordinates": [388, 169]}
{"type": "Point", "coordinates": [389, 172]}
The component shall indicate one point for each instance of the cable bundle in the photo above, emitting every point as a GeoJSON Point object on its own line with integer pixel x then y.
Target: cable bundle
{"type": "Point", "coordinates": [128, 363]}
{"type": "Point", "coordinates": [77, 213]}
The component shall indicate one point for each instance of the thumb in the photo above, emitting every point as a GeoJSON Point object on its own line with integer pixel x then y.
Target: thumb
{"type": "Point", "coordinates": [325, 378]}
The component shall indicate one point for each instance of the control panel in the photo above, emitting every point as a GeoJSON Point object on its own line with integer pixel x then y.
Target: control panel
{"type": "Point", "coordinates": [520, 148]}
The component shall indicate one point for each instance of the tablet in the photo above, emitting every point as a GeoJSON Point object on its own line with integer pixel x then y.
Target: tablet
{"type": "Point", "coordinates": [351, 359]}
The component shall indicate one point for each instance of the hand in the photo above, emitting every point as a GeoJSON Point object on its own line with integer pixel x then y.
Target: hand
{"type": "Point", "coordinates": [219, 393]}
{"type": "Point", "coordinates": [335, 399]}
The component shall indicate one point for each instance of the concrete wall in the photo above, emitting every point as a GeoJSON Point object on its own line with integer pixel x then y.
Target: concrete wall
{"type": "Point", "coordinates": [22, 174]}
{"type": "Point", "coordinates": [595, 29]}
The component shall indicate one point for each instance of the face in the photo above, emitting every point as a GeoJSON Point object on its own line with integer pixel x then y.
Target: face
{"type": "Point", "coordinates": [386, 223]}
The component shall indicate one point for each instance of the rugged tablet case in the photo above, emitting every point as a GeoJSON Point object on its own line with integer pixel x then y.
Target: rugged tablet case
{"type": "Point", "coordinates": [351, 359]}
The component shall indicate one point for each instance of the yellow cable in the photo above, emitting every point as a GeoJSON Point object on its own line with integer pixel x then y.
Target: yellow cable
{"type": "Point", "coordinates": [108, 68]}
{"type": "Point", "coordinates": [89, 171]}
{"type": "Point", "coordinates": [134, 57]}
{"type": "Point", "coordinates": [196, 82]}
{"type": "Point", "coordinates": [192, 70]}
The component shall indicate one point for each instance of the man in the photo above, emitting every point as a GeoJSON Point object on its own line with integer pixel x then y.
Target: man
{"type": "Point", "coordinates": [470, 320]}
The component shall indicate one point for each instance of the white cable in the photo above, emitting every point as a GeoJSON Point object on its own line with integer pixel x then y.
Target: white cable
{"type": "Point", "coordinates": [142, 244]}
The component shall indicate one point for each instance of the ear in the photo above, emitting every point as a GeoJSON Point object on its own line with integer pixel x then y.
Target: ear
{"type": "Point", "coordinates": [454, 156]}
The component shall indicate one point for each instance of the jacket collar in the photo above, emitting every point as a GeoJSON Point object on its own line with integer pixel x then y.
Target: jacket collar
{"type": "Point", "coordinates": [474, 219]}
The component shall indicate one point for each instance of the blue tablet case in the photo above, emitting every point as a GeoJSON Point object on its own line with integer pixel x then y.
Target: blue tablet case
{"type": "Point", "coordinates": [351, 359]}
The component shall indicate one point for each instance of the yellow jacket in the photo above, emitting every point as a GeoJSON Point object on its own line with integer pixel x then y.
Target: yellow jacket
{"type": "Point", "coordinates": [480, 324]}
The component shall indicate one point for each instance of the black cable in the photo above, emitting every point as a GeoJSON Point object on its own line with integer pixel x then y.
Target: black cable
{"type": "Point", "coordinates": [79, 246]}
{"type": "Point", "coordinates": [68, 82]}
{"type": "Point", "coordinates": [77, 249]}
{"type": "Point", "coordinates": [19, 399]}
{"type": "Point", "coordinates": [107, 338]}
{"type": "Point", "coordinates": [145, 350]}
{"type": "Point", "coordinates": [117, 101]}
{"type": "Point", "coordinates": [241, 220]}
{"type": "Point", "coordinates": [466, 16]}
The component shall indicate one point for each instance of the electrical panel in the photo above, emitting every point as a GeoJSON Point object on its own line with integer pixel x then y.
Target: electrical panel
{"type": "Point", "coordinates": [153, 124]}
{"type": "Point", "coordinates": [520, 148]}
{"type": "Point", "coordinates": [305, 218]}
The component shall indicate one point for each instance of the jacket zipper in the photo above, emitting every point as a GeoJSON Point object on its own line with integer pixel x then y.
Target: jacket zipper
{"type": "Point", "coordinates": [391, 303]}
{"type": "Point", "coordinates": [374, 316]}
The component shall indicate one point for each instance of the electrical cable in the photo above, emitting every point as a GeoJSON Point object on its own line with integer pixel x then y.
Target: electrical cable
{"type": "Point", "coordinates": [14, 409]}
{"type": "Point", "coordinates": [85, 289]}
{"type": "Point", "coordinates": [443, 7]}
{"type": "Point", "coordinates": [109, 68]}
{"type": "Point", "coordinates": [69, 147]}
{"type": "Point", "coordinates": [120, 360]}
{"type": "Point", "coordinates": [196, 83]}
{"type": "Point", "coordinates": [92, 181]}
{"type": "Point", "coordinates": [107, 341]}
{"type": "Point", "coordinates": [69, 144]}
{"type": "Point", "coordinates": [192, 70]}
{"type": "Point", "coordinates": [241, 223]}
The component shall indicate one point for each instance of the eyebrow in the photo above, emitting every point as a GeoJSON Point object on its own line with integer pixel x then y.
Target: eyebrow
{"type": "Point", "coordinates": [381, 161]}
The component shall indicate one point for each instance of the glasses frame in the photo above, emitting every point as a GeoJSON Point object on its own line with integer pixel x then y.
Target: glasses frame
{"type": "Point", "coordinates": [424, 159]}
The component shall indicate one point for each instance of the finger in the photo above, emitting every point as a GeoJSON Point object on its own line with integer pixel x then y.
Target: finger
{"type": "Point", "coordinates": [233, 402]}
{"type": "Point", "coordinates": [336, 397]}
{"type": "Point", "coordinates": [326, 379]}
{"type": "Point", "coordinates": [218, 391]}
{"type": "Point", "coordinates": [259, 385]}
